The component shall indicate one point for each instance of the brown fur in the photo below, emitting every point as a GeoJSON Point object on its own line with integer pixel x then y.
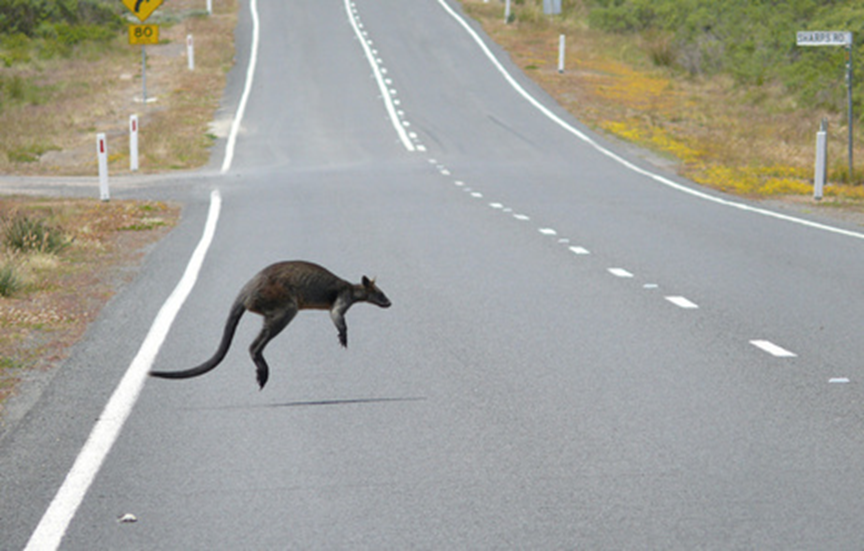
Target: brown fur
{"type": "Point", "coordinates": [278, 292]}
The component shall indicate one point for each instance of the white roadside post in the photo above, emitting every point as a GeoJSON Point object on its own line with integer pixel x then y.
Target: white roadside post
{"type": "Point", "coordinates": [190, 52]}
{"type": "Point", "coordinates": [133, 143]}
{"type": "Point", "coordinates": [507, 12]}
{"type": "Point", "coordinates": [821, 154]}
{"type": "Point", "coordinates": [102, 153]}
{"type": "Point", "coordinates": [562, 41]}
{"type": "Point", "coordinates": [209, 7]}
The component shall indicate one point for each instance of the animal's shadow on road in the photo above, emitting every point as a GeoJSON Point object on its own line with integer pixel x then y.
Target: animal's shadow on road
{"type": "Point", "coordinates": [318, 403]}
{"type": "Point", "coordinates": [341, 402]}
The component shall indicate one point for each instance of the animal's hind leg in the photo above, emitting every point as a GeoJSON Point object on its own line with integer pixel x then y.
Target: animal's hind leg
{"type": "Point", "coordinates": [274, 323]}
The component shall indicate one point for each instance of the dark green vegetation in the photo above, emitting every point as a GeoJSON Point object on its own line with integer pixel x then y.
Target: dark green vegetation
{"type": "Point", "coordinates": [34, 18]}
{"type": "Point", "coordinates": [47, 28]}
{"type": "Point", "coordinates": [754, 41]}
{"type": "Point", "coordinates": [24, 234]}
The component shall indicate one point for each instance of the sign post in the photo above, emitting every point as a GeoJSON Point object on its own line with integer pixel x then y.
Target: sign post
{"type": "Point", "coordinates": [835, 38]}
{"type": "Point", "coordinates": [143, 34]}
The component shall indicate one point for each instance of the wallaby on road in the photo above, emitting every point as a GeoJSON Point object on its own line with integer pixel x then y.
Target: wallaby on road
{"type": "Point", "coordinates": [278, 292]}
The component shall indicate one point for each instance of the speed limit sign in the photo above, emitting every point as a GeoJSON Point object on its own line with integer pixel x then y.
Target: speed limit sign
{"type": "Point", "coordinates": [143, 34]}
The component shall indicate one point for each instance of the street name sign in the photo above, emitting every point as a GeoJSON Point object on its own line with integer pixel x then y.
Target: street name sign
{"type": "Point", "coordinates": [824, 38]}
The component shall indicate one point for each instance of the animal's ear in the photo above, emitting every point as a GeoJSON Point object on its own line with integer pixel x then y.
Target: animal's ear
{"type": "Point", "coordinates": [366, 282]}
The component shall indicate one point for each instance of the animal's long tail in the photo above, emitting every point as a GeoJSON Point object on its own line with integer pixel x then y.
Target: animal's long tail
{"type": "Point", "coordinates": [237, 311]}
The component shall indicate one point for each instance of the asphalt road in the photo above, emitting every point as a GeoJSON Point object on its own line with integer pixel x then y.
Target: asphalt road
{"type": "Point", "coordinates": [578, 356]}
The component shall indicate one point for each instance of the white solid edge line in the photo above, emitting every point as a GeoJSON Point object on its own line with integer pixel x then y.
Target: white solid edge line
{"type": "Point", "coordinates": [615, 157]}
{"type": "Point", "coordinates": [385, 92]}
{"type": "Point", "coordinates": [51, 529]}
{"type": "Point", "coordinates": [247, 89]}
{"type": "Point", "coordinates": [773, 349]}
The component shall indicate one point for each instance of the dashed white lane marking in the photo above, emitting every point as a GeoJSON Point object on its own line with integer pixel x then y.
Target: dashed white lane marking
{"type": "Point", "coordinates": [620, 272]}
{"type": "Point", "coordinates": [386, 94]}
{"type": "Point", "coordinates": [838, 380]}
{"type": "Point", "coordinates": [682, 302]}
{"type": "Point", "coordinates": [773, 349]}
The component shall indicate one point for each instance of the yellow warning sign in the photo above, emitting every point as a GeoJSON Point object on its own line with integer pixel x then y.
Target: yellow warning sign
{"type": "Point", "coordinates": [142, 8]}
{"type": "Point", "coordinates": [143, 34]}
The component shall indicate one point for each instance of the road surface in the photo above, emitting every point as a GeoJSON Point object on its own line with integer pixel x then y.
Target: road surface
{"type": "Point", "coordinates": [583, 352]}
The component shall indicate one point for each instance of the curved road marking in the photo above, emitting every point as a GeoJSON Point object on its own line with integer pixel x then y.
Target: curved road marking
{"type": "Point", "coordinates": [615, 157]}
{"type": "Point", "coordinates": [247, 89]}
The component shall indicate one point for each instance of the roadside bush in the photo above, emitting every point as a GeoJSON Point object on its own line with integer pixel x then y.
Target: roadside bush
{"type": "Point", "coordinates": [754, 41]}
{"type": "Point", "coordinates": [27, 16]}
{"type": "Point", "coordinates": [16, 89]}
{"type": "Point", "coordinates": [48, 28]}
{"type": "Point", "coordinates": [32, 234]}
{"type": "Point", "coordinates": [10, 282]}
{"type": "Point", "coordinates": [14, 48]}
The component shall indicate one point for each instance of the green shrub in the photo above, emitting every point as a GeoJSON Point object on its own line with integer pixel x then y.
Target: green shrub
{"type": "Point", "coordinates": [10, 282]}
{"type": "Point", "coordinates": [50, 28]}
{"type": "Point", "coordinates": [14, 48]}
{"type": "Point", "coordinates": [32, 234]}
{"type": "Point", "coordinates": [27, 16]}
{"type": "Point", "coordinates": [29, 153]}
{"type": "Point", "coordinates": [754, 41]}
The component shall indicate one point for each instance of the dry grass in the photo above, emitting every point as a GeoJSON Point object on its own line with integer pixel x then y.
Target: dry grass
{"type": "Point", "coordinates": [98, 89]}
{"type": "Point", "coordinates": [751, 141]}
{"type": "Point", "coordinates": [61, 293]}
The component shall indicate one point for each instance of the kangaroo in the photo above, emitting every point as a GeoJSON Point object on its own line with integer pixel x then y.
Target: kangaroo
{"type": "Point", "coordinates": [278, 292]}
